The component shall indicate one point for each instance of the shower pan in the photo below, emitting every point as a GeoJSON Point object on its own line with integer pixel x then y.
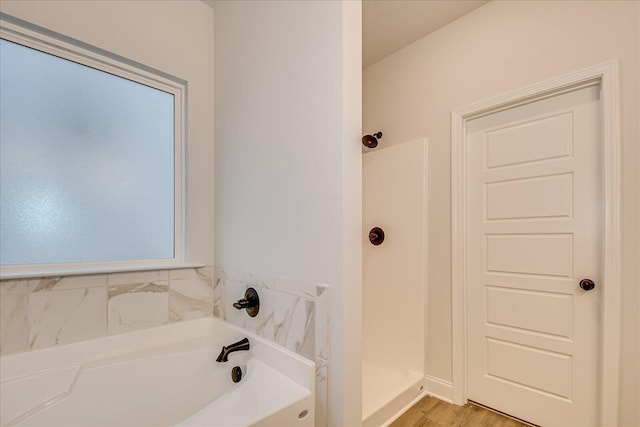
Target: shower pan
{"type": "Point", "coordinates": [394, 272]}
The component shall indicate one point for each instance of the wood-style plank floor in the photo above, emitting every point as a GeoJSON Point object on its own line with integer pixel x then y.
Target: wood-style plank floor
{"type": "Point", "coordinates": [433, 412]}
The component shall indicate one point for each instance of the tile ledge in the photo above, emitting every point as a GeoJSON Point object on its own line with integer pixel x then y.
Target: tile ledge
{"type": "Point", "coordinates": [91, 270]}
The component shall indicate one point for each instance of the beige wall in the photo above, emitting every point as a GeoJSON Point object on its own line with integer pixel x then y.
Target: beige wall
{"type": "Point", "coordinates": [502, 46]}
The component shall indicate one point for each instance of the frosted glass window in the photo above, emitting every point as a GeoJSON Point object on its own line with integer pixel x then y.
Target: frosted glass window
{"type": "Point", "coordinates": [86, 163]}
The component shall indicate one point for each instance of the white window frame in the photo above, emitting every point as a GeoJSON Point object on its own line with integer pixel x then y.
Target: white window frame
{"type": "Point", "coordinates": [46, 41]}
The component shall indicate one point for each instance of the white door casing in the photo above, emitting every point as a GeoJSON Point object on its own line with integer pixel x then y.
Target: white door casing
{"type": "Point", "coordinates": [505, 206]}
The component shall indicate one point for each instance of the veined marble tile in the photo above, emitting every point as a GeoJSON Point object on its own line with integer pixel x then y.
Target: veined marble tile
{"type": "Point", "coordinates": [67, 282]}
{"type": "Point", "coordinates": [295, 324]}
{"type": "Point", "coordinates": [137, 306]}
{"type": "Point", "coordinates": [231, 274]}
{"type": "Point", "coordinates": [66, 316]}
{"type": "Point", "coordinates": [322, 386]}
{"type": "Point", "coordinates": [182, 273]}
{"type": "Point", "coordinates": [302, 334]}
{"type": "Point", "coordinates": [191, 273]}
{"type": "Point", "coordinates": [137, 277]}
{"type": "Point", "coordinates": [295, 287]}
{"type": "Point", "coordinates": [190, 298]}
{"type": "Point", "coordinates": [14, 326]}
{"type": "Point", "coordinates": [20, 286]}
{"type": "Point", "coordinates": [322, 324]}
{"type": "Point", "coordinates": [285, 304]}
{"type": "Point", "coordinates": [320, 289]}
{"type": "Point", "coordinates": [232, 292]}
{"type": "Point", "coordinates": [219, 310]}
{"type": "Point", "coordinates": [263, 324]}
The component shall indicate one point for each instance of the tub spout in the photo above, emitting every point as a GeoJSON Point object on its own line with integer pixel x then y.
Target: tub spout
{"type": "Point", "coordinates": [242, 345]}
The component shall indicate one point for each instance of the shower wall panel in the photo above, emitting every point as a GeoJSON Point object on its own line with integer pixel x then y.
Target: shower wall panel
{"type": "Point", "coordinates": [394, 198]}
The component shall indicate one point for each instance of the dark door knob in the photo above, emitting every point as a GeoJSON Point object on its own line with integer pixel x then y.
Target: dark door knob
{"type": "Point", "coordinates": [587, 284]}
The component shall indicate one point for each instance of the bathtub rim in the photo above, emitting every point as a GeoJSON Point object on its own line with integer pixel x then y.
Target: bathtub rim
{"type": "Point", "coordinates": [152, 341]}
{"type": "Point", "coordinates": [290, 364]}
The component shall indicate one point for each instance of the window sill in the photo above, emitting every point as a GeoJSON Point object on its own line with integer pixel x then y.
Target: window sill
{"type": "Point", "coordinates": [10, 273]}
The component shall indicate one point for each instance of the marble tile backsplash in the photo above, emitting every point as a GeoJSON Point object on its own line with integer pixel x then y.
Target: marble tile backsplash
{"type": "Point", "coordinates": [66, 316]}
{"type": "Point", "coordinates": [40, 313]}
{"type": "Point", "coordinates": [293, 313]}
{"type": "Point", "coordinates": [137, 306]}
{"type": "Point", "coordinates": [14, 322]}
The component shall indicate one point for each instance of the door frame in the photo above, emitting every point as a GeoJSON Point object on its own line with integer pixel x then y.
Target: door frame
{"type": "Point", "coordinates": [607, 76]}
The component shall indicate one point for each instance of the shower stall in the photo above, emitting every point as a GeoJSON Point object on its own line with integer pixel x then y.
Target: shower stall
{"type": "Point", "coordinates": [394, 275]}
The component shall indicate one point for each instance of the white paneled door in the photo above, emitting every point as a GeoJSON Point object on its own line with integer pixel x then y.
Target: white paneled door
{"type": "Point", "coordinates": [534, 197]}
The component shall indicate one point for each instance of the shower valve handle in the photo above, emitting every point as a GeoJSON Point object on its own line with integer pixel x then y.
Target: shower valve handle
{"type": "Point", "coordinates": [250, 302]}
{"type": "Point", "coordinates": [243, 303]}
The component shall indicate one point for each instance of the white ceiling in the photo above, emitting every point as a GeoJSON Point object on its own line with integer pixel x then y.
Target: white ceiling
{"type": "Point", "coordinates": [390, 25]}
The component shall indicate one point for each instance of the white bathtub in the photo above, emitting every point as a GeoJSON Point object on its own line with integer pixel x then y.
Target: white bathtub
{"type": "Point", "coordinates": [164, 376]}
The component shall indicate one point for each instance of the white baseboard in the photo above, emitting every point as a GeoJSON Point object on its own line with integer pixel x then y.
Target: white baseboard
{"type": "Point", "coordinates": [439, 388]}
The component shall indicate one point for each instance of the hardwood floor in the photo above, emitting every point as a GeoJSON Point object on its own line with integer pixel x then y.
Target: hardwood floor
{"type": "Point", "coordinates": [433, 412]}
